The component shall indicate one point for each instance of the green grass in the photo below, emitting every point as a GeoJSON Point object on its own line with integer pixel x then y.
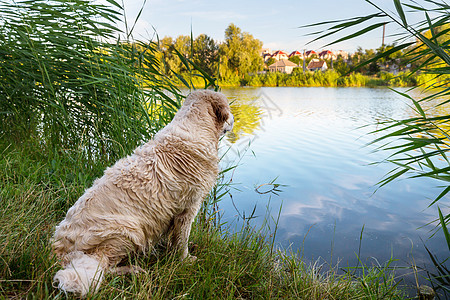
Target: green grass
{"type": "Point", "coordinates": [37, 189]}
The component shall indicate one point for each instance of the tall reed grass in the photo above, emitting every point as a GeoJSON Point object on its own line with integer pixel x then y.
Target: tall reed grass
{"type": "Point", "coordinates": [70, 81]}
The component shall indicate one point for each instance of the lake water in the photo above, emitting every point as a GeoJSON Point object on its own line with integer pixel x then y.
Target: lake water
{"type": "Point", "coordinates": [314, 141]}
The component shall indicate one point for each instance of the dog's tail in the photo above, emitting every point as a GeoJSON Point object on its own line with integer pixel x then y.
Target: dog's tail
{"type": "Point", "coordinates": [83, 274]}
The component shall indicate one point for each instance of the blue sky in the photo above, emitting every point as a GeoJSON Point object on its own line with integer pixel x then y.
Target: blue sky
{"type": "Point", "coordinates": [276, 23]}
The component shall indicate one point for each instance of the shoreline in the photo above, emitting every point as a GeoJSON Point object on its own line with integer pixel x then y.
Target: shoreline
{"type": "Point", "coordinates": [321, 79]}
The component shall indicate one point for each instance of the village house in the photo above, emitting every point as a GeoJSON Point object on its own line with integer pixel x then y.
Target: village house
{"type": "Point", "coordinates": [265, 51]}
{"type": "Point", "coordinates": [314, 65]}
{"type": "Point", "coordinates": [324, 54]}
{"type": "Point", "coordinates": [327, 54]}
{"type": "Point", "coordinates": [279, 55]}
{"type": "Point", "coordinates": [310, 53]}
{"type": "Point", "coordinates": [317, 65]}
{"type": "Point", "coordinates": [283, 66]}
{"type": "Point", "coordinates": [390, 68]}
{"type": "Point", "coordinates": [341, 53]}
{"type": "Point", "coordinates": [266, 57]}
{"type": "Point", "coordinates": [296, 53]}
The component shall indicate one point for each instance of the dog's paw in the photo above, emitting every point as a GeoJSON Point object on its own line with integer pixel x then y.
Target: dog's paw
{"type": "Point", "coordinates": [190, 258]}
{"type": "Point", "coordinates": [127, 270]}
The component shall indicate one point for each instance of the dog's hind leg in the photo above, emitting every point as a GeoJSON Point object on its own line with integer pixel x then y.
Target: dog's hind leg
{"type": "Point", "coordinates": [82, 274]}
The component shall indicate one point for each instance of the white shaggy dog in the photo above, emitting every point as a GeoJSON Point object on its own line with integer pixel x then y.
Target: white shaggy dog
{"type": "Point", "coordinates": [155, 191]}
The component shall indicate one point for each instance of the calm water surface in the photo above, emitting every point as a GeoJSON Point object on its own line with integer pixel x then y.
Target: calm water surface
{"type": "Point", "coordinates": [313, 141]}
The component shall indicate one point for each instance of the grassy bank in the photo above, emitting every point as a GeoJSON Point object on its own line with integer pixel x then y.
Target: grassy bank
{"type": "Point", "coordinates": [36, 189]}
{"type": "Point", "coordinates": [321, 79]}
{"type": "Point", "coordinates": [334, 79]}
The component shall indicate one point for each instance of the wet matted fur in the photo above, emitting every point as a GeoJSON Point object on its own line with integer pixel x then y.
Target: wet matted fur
{"type": "Point", "coordinates": [154, 191]}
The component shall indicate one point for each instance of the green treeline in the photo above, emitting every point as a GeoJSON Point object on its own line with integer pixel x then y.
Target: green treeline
{"type": "Point", "coordinates": [231, 60]}
{"type": "Point", "coordinates": [237, 62]}
{"type": "Point", "coordinates": [332, 78]}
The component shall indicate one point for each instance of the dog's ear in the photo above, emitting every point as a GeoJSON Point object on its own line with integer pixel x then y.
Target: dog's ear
{"type": "Point", "coordinates": [220, 110]}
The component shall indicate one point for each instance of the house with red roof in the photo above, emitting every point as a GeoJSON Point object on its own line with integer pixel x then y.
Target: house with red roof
{"type": "Point", "coordinates": [310, 53]}
{"type": "Point", "coordinates": [279, 55]}
{"type": "Point", "coordinates": [327, 54]}
{"type": "Point", "coordinates": [296, 53]}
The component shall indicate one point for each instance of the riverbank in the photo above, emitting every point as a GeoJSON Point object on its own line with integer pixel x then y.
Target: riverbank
{"type": "Point", "coordinates": [37, 189]}
{"type": "Point", "coordinates": [329, 78]}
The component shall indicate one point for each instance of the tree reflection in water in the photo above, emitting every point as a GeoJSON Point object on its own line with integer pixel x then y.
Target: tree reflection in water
{"type": "Point", "coordinates": [247, 113]}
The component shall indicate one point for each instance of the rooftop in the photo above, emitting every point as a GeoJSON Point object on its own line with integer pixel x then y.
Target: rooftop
{"type": "Point", "coordinates": [283, 63]}
{"type": "Point", "coordinates": [279, 52]}
{"type": "Point", "coordinates": [315, 64]}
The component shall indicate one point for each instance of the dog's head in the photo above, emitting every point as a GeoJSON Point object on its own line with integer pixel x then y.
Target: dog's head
{"type": "Point", "coordinates": [217, 107]}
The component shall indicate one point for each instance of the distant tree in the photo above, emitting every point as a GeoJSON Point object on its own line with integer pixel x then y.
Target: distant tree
{"type": "Point", "coordinates": [393, 56]}
{"type": "Point", "coordinates": [240, 53]}
{"type": "Point", "coordinates": [165, 56]}
{"type": "Point", "coordinates": [171, 61]}
{"type": "Point", "coordinates": [183, 45]}
{"type": "Point", "coordinates": [362, 55]}
{"type": "Point", "coordinates": [373, 68]}
{"type": "Point", "coordinates": [206, 54]}
{"type": "Point", "coordinates": [295, 59]}
{"type": "Point", "coordinates": [270, 61]}
{"type": "Point", "coordinates": [340, 65]}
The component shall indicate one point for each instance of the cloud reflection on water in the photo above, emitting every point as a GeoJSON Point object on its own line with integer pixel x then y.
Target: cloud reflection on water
{"type": "Point", "coordinates": [316, 145]}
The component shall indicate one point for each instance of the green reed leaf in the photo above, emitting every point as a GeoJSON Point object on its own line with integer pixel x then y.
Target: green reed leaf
{"type": "Point", "coordinates": [401, 13]}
